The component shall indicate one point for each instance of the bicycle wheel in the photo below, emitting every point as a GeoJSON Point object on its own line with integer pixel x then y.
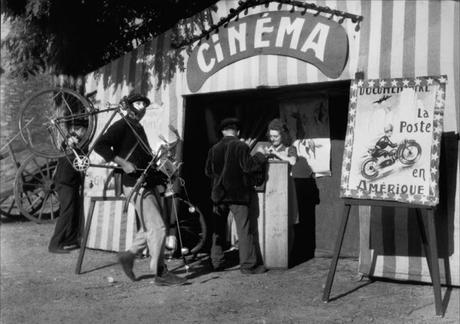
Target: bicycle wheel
{"type": "Point", "coordinates": [34, 189]}
{"type": "Point", "coordinates": [192, 227]}
{"type": "Point", "coordinates": [46, 117]}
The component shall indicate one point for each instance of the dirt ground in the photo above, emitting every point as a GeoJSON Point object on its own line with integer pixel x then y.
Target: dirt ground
{"type": "Point", "coordinates": [39, 287]}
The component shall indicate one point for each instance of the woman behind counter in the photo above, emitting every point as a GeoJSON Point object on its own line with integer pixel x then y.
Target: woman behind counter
{"type": "Point", "coordinates": [305, 188]}
{"type": "Point", "coordinates": [280, 148]}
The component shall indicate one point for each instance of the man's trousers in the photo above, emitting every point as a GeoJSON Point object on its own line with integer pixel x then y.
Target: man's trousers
{"type": "Point", "coordinates": [152, 232]}
{"type": "Point", "coordinates": [248, 237]}
{"type": "Point", "coordinates": [69, 223]}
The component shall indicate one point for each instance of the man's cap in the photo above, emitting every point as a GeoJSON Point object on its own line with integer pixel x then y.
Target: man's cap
{"type": "Point", "coordinates": [229, 123]}
{"type": "Point", "coordinates": [138, 97]}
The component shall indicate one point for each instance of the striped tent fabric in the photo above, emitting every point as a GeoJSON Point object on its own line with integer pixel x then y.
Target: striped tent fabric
{"type": "Point", "coordinates": [416, 38]}
{"type": "Point", "coordinates": [109, 231]}
{"type": "Point", "coordinates": [402, 38]}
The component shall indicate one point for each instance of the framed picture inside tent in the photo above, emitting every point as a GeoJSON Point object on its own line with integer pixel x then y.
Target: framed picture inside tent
{"type": "Point", "coordinates": [392, 145]}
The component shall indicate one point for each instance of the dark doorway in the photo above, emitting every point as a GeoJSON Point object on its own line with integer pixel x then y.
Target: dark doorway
{"type": "Point", "coordinates": [255, 109]}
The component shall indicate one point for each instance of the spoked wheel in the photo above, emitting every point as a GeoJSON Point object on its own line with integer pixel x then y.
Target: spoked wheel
{"type": "Point", "coordinates": [410, 153]}
{"type": "Point", "coordinates": [8, 206]}
{"type": "Point", "coordinates": [46, 117]}
{"type": "Point", "coordinates": [192, 232]}
{"type": "Point", "coordinates": [8, 171]}
{"type": "Point", "coordinates": [35, 191]}
{"type": "Point", "coordinates": [369, 168]}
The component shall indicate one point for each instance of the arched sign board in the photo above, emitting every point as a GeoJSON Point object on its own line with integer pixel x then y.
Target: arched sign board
{"type": "Point", "coordinates": [313, 39]}
{"type": "Point", "coordinates": [392, 146]}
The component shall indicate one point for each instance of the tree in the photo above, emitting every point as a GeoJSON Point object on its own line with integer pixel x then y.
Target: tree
{"type": "Point", "coordinates": [74, 37]}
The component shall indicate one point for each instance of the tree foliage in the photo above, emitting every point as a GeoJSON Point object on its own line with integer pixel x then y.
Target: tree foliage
{"type": "Point", "coordinates": [74, 37]}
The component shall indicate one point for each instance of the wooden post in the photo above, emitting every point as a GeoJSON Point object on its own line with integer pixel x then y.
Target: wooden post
{"type": "Point", "coordinates": [338, 247]}
{"type": "Point", "coordinates": [85, 236]}
{"type": "Point", "coordinates": [435, 275]}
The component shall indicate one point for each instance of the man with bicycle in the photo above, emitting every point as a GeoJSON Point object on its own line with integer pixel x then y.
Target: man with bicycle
{"type": "Point", "coordinates": [125, 143]}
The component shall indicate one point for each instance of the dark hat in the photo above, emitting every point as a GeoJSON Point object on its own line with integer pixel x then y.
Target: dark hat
{"type": "Point", "coordinates": [133, 97]}
{"type": "Point", "coordinates": [229, 123]}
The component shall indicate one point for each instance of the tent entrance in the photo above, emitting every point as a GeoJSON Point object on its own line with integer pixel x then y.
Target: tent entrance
{"type": "Point", "coordinates": [255, 109]}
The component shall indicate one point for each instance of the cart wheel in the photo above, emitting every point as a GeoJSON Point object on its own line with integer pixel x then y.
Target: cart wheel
{"type": "Point", "coordinates": [8, 170]}
{"type": "Point", "coordinates": [34, 189]}
{"type": "Point", "coordinates": [8, 207]}
{"type": "Point", "coordinates": [45, 117]}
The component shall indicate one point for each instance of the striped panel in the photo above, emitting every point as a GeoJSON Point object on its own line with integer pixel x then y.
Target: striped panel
{"type": "Point", "coordinates": [397, 40]}
{"type": "Point", "coordinates": [110, 231]}
{"type": "Point", "coordinates": [394, 249]}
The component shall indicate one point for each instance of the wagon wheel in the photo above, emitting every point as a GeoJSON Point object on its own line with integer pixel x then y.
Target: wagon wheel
{"type": "Point", "coordinates": [34, 189]}
{"type": "Point", "coordinates": [8, 206]}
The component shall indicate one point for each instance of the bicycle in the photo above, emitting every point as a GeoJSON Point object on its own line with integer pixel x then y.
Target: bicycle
{"type": "Point", "coordinates": [44, 123]}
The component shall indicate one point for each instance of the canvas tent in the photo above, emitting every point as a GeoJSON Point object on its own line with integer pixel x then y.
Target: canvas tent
{"type": "Point", "coordinates": [395, 39]}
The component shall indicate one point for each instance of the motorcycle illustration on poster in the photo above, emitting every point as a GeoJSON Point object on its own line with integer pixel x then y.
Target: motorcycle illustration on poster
{"type": "Point", "coordinates": [393, 140]}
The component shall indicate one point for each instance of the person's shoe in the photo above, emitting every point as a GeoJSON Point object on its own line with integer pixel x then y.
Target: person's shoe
{"type": "Point", "coordinates": [126, 260]}
{"type": "Point", "coordinates": [218, 268]}
{"type": "Point", "coordinates": [70, 247]}
{"type": "Point", "coordinates": [214, 268]}
{"type": "Point", "coordinates": [58, 250]}
{"type": "Point", "coordinates": [169, 279]}
{"type": "Point", "coordinates": [257, 270]}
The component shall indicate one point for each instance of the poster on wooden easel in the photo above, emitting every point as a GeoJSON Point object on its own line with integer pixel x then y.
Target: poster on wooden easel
{"type": "Point", "coordinates": [393, 140]}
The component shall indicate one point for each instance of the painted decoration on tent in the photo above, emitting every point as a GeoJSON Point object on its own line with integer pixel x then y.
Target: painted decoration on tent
{"type": "Point", "coordinates": [313, 39]}
{"type": "Point", "coordinates": [392, 145]}
{"type": "Point", "coordinates": [308, 122]}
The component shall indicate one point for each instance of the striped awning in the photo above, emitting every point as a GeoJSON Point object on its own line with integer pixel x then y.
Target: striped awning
{"type": "Point", "coordinates": [400, 38]}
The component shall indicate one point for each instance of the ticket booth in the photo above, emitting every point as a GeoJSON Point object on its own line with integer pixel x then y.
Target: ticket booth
{"type": "Point", "coordinates": [277, 214]}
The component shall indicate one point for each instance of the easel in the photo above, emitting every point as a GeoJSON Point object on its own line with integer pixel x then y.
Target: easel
{"type": "Point", "coordinates": [88, 227]}
{"type": "Point", "coordinates": [429, 243]}
{"type": "Point", "coordinates": [118, 190]}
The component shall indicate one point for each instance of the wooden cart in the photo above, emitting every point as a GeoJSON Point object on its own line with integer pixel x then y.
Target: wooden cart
{"type": "Point", "coordinates": [27, 185]}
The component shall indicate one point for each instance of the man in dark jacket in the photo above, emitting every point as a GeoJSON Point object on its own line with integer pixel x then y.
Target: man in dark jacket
{"type": "Point", "coordinates": [68, 229]}
{"type": "Point", "coordinates": [231, 167]}
{"type": "Point", "coordinates": [125, 143]}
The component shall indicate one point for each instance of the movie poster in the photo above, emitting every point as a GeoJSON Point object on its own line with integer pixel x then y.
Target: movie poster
{"type": "Point", "coordinates": [308, 122]}
{"type": "Point", "coordinates": [392, 146]}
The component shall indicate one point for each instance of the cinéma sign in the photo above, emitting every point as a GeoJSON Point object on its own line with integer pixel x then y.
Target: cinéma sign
{"type": "Point", "coordinates": [313, 39]}
{"type": "Point", "coordinates": [392, 146]}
